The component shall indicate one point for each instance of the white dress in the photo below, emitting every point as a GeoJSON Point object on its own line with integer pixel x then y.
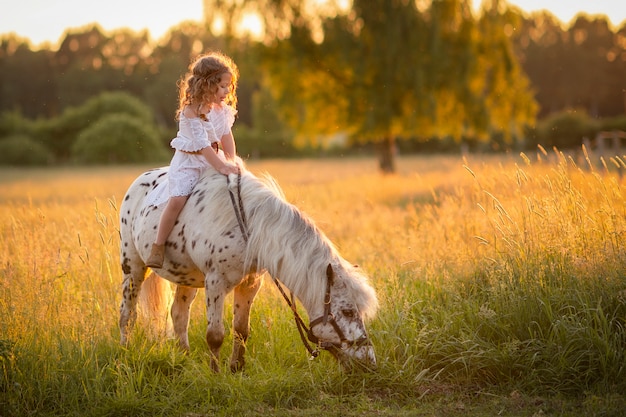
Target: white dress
{"type": "Point", "coordinates": [186, 168]}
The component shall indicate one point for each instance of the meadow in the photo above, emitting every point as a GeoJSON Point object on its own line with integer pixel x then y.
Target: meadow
{"type": "Point", "coordinates": [501, 282]}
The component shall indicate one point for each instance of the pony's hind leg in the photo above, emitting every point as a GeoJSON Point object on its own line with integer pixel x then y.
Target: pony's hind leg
{"type": "Point", "coordinates": [131, 285]}
{"type": "Point", "coordinates": [180, 314]}
{"type": "Point", "coordinates": [243, 298]}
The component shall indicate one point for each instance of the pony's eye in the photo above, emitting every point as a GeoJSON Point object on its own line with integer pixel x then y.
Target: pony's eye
{"type": "Point", "coordinates": [348, 313]}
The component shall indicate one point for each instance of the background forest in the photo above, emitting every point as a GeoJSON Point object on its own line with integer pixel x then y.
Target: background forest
{"type": "Point", "coordinates": [383, 75]}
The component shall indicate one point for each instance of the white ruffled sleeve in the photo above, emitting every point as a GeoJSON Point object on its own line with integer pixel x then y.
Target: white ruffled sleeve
{"type": "Point", "coordinates": [230, 114]}
{"type": "Point", "coordinates": [193, 135]}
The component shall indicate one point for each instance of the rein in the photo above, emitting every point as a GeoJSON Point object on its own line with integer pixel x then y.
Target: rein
{"type": "Point", "coordinates": [304, 330]}
{"type": "Point", "coordinates": [239, 213]}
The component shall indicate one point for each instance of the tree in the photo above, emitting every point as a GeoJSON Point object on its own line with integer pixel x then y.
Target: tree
{"type": "Point", "coordinates": [343, 72]}
{"type": "Point", "coordinates": [59, 133]}
{"type": "Point", "coordinates": [505, 93]}
{"type": "Point", "coordinates": [581, 66]}
{"type": "Point", "coordinates": [566, 130]}
{"type": "Point", "coordinates": [540, 47]}
{"type": "Point", "coordinates": [385, 70]}
{"type": "Point", "coordinates": [22, 150]}
{"type": "Point", "coordinates": [27, 82]}
{"type": "Point", "coordinates": [90, 61]}
{"type": "Point", "coordinates": [591, 41]}
{"type": "Point", "coordinates": [118, 138]}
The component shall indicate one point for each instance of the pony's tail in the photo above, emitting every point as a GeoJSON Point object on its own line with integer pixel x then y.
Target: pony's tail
{"type": "Point", "coordinates": [155, 301]}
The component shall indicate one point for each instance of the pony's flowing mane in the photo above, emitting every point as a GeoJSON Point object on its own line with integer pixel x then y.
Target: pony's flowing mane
{"type": "Point", "coordinates": [285, 241]}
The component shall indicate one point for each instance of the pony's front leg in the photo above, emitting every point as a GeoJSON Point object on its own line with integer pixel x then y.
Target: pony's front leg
{"type": "Point", "coordinates": [215, 295]}
{"type": "Point", "coordinates": [134, 274]}
{"type": "Point", "coordinates": [243, 298]}
{"type": "Point", "coordinates": [180, 314]}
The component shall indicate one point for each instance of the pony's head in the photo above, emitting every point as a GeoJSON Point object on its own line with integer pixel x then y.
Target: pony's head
{"type": "Point", "coordinates": [338, 325]}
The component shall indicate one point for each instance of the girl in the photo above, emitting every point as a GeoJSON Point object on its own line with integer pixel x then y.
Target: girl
{"type": "Point", "coordinates": [206, 112]}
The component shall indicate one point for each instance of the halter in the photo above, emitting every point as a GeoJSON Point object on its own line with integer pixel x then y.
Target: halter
{"type": "Point", "coordinates": [327, 318]}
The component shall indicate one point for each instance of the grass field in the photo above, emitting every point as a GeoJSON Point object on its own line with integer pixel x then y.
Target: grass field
{"type": "Point", "coordinates": [502, 283]}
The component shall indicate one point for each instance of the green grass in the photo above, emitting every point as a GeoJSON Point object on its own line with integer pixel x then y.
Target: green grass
{"type": "Point", "coordinates": [501, 283]}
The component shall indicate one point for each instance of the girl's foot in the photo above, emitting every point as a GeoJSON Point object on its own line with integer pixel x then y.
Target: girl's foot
{"type": "Point", "coordinates": [155, 260]}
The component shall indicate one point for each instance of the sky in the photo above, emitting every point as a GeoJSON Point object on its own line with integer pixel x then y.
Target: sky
{"type": "Point", "coordinates": [46, 21]}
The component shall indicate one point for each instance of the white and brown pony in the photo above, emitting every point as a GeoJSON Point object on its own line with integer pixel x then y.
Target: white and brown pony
{"type": "Point", "coordinates": [221, 245]}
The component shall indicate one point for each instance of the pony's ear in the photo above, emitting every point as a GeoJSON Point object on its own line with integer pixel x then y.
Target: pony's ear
{"type": "Point", "coordinates": [330, 274]}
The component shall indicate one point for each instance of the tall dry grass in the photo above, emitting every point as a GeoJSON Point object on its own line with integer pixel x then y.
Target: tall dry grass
{"type": "Point", "coordinates": [501, 274]}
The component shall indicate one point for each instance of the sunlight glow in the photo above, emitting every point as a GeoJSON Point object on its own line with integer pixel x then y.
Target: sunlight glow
{"type": "Point", "coordinates": [251, 25]}
{"type": "Point", "coordinates": [218, 25]}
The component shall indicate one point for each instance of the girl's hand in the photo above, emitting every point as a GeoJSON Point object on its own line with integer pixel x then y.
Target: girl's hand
{"type": "Point", "coordinates": [228, 168]}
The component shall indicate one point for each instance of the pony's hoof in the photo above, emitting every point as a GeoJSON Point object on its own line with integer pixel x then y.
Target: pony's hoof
{"type": "Point", "coordinates": [236, 366]}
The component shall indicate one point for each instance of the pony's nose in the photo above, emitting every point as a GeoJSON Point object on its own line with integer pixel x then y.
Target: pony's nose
{"type": "Point", "coordinates": [361, 357]}
{"type": "Point", "coordinates": [370, 356]}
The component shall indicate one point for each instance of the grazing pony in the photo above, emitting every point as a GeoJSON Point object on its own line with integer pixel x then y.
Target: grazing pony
{"type": "Point", "coordinates": [221, 246]}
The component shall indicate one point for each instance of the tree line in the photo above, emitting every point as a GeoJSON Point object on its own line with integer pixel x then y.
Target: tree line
{"type": "Point", "coordinates": [383, 72]}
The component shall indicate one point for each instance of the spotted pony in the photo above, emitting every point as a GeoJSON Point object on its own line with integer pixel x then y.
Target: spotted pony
{"type": "Point", "coordinates": [208, 249]}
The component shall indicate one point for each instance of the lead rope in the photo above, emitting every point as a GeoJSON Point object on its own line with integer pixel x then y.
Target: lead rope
{"type": "Point", "coordinates": [241, 219]}
{"type": "Point", "coordinates": [299, 322]}
{"type": "Point", "coordinates": [239, 212]}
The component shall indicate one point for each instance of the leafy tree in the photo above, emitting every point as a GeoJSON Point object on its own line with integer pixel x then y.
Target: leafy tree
{"type": "Point", "coordinates": [90, 61]}
{"type": "Point", "coordinates": [384, 70]}
{"type": "Point", "coordinates": [504, 94]}
{"type": "Point", "coordinates": [118, 138]}
{"type": "Point", "coordinates": [162, 93]}
{"type": "Point", "coordinates": [540, 45]}
{"type": "Point", "coordinates": [20, 150]}
{"type": "Point", "coordinates": [27, 81]}
{"type": "Point", "coordinates": [61, 132]}
{"type": "Point", "coordinates": [582, 66]}
{"type": "Point", "coordinates": [589, 43]}
{"type": "Point", "coordinates": [566, 130]}
{"type": "Point", "coordinates": [14, 123]}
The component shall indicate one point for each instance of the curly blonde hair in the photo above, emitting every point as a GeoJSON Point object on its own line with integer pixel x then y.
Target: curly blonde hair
{"type": "Point", "coordinates": [200, 83]}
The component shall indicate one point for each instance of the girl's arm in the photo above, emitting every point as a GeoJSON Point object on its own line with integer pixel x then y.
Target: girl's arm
{"type": "Point", "coordinates": [229, 147]}
{"type": "Point", "coordinates": [215, 161]}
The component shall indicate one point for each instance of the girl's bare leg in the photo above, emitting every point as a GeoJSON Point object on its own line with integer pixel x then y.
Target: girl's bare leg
{"type": "Point", "coordinates": [166, 224]}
